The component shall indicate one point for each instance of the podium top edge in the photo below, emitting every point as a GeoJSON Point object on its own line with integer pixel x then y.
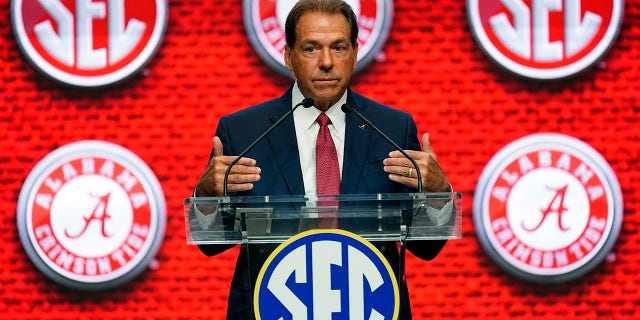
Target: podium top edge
{"type": "Point", "coordinates": [428, 196]}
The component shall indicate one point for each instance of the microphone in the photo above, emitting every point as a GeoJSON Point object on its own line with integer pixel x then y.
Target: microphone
{"type": "Point", "coordinates": [307, 102]}
{"type": "Point", "coordinates": [347, 109]}
{"type": "Point", "coordinates": [403, 246]}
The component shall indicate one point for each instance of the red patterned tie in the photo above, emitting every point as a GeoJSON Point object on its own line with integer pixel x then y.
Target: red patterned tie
{"type": "Point", "coordinates": [327, 168]}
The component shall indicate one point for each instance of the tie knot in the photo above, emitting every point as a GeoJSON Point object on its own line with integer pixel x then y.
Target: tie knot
{"type": "Point", "coordinates": [323, 120]}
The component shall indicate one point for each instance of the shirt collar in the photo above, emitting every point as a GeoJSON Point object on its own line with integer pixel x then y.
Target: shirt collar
{"type": "Point", "coordinates": [308, 116]}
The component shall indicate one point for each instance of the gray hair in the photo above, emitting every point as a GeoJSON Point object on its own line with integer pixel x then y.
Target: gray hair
{"type": "Point", "coordinates": [322, 6]}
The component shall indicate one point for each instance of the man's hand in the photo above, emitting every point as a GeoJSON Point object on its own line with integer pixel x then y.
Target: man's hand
{"type": "Point", "coordinates": [241, 177]}
{"type": "Point", "coordinates": [401, 169]}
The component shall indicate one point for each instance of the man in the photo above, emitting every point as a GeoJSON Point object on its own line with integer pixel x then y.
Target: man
{"type": "Point", "coordinates": [321, 51]}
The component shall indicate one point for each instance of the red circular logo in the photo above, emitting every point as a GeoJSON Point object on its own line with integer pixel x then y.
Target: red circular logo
{"type": "Point", "coordinates": [545, 39]}
{"type": "Point", "coordinates": [89, 43]}
{"type": "Point", "coordinates": [91, 215]}
{"type": "Point", "coordinates": [548, 208]}
{"type": "Point", "coordinates": [265, 20]}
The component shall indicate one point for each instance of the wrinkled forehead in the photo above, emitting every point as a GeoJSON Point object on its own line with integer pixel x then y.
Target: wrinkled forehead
{"type": "Point", "coordinates": [318, 26]}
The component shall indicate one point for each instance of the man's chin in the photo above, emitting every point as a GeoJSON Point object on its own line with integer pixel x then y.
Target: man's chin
{"type": "Point", "coordinates": [327, 93]}
{"type": "Point", "coordinates": [330, 99]}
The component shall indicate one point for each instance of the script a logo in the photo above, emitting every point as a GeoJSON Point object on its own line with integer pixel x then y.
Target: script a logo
{"type": "Point", "coordinates": [91, 215]}
{"type": "Point", "coordinates": [89, 43]}
{"type": "Point", "coordinates": [320, 274]}
{"type": "Point", "coordinates": [548, 208]}
{"type": "Point", "coordinates": [543, 39]}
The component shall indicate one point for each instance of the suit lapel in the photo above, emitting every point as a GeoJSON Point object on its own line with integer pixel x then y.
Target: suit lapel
{"type": "Point", "coordinates": [284, 146]}
{"type": "Point", "coordinates": [357, 138]}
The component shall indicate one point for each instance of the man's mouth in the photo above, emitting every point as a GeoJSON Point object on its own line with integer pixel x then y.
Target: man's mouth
{"type": "Point", "coordinates": [325, 80]}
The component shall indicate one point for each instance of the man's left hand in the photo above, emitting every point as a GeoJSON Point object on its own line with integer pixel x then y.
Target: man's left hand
{"type": "Point", "coordinates": [401, 169]}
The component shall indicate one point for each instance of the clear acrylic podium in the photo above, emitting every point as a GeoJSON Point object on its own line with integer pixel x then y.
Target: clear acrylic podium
{"type": "Point", "coordinates": [260, 224]}
{"type": "Point", "coordinates": [274, 219]}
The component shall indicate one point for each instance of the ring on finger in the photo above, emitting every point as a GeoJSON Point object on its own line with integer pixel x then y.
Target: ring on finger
{"type": "Point", "coordinates": [410, 172]}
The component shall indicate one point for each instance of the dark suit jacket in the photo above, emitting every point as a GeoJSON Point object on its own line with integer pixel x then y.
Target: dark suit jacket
{"type": "Point", "coordinates": [277, 156]}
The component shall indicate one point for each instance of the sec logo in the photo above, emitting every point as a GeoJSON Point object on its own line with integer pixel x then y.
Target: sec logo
{"type": "Point", "coordinates": [545, 40]}
{"type": "Point", "coordinates": [548, 208]}
{"type": "Point", "coordinates": [326, 274]}
{"type": "Point", "coordinates": [91, 215]}
{"type": "Point", "coordinates": [264, 21]}
{"type": "Point", "coordinates": [89, 43]}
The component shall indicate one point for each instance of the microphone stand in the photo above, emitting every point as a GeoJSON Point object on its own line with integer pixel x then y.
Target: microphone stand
{"type": "Point", "coordinates": [307, 102]}
{"type": "Point", "coordinates": [403, 246]}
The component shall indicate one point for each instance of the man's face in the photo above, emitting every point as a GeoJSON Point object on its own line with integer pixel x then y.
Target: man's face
{"type": "Point", "coordinates": [322, 58]}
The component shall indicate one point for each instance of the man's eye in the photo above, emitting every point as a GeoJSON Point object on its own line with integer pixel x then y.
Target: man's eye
{"type": "Point", "coordinates": [309, 49]}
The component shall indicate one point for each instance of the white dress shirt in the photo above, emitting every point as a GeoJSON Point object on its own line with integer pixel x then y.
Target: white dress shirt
{"type": "Point", "coordinates": [307, 132]}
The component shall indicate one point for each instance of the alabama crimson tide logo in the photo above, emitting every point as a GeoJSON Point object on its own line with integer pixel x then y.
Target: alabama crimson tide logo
{"type": "Point", "coordinates": [91, 215]}
{"type": "Point", "coordinates": [264, 21]}
{"type": "Point", "coordinates": [548, 208]}
{"type": "Point", "coordinates": [89, 43]}
{"type": "Point", "coordinates": [545, 39]}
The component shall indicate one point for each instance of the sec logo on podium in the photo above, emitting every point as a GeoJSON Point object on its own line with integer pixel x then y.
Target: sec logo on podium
{"type": "Point", "coordinates": [326, 274]}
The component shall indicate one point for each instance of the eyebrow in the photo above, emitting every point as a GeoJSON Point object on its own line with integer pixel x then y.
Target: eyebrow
{"type": "Point", "coordinates": [315, 42]}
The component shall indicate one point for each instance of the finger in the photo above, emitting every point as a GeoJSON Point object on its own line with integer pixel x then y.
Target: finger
{"type": "Point", "coordinates": [226, 160]}
{"type": "Point", "coordinates": [402, 171]}
{"type": "Point", "coordinates": [241, 169]}
{"type": "Point", "coordinates": [239, 178]}
{"type": "Point", "coordinates": [412, 153]}
{"type": "Point", "coordinates": [239, 187]}
{"type": "Point", "coordinates": [217, 146]}
{"type": "Point", "coordinates": [412, 182]}
{"type": "Point", "coordinates": [426, 143]}
{"type": "Point", "coordinates": [399, 162]}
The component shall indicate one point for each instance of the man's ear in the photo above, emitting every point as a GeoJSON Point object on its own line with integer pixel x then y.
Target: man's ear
{"type": "Point", "coordinates": [287, 58]}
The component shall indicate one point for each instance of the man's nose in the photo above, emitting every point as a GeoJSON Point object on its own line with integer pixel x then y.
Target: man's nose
{"type": "Point", "coordinates": [326, 59]}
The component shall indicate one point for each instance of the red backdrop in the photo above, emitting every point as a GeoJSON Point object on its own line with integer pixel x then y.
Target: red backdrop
{"type": "Point", "coordinates": [430, 66]}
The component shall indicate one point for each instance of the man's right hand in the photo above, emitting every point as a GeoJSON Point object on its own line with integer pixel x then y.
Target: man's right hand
{"type": "Point", "coordinates": [241, 178]}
